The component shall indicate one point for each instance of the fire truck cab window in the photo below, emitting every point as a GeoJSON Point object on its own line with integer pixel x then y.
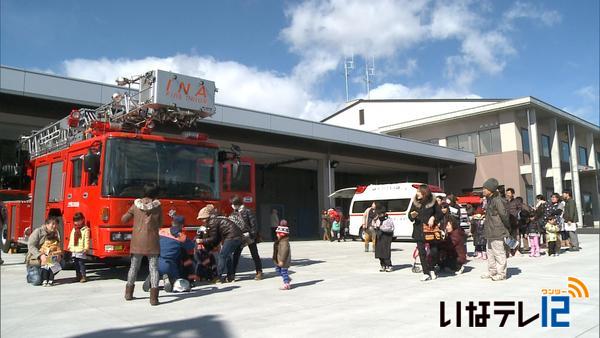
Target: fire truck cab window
{"type": "Point", "coordinates": [181, 171]}
{"type": "Point", "coordinates": [76, 165]}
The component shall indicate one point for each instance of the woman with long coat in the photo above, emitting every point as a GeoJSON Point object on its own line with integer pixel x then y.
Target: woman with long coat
{"type": "Point", "coordinates": [384, 229]}
{"type": "Point", "coordinates": [425, 211]}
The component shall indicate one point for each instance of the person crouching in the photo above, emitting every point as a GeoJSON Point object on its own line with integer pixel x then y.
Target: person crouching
{"type": "Point", "coordinates": [282, 254]}
{"type": "Point", "coordinates": [454, 255]}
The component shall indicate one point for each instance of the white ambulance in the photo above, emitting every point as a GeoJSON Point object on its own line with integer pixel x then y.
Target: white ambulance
{"type": "Point", "coordinates": [397, 199]}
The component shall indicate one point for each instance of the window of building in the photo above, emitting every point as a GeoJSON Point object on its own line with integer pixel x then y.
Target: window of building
{"type": "Point", "coordinates": [452, 142]}
{"type": "Point", "coordinates": [525, 140]}
{"type": "Point", "coordinates": [77, 165]}
{"type": "Point", "coordinates": [483, 142]}
{"type": "Point", "coordinates": [565, 156]}
{"type": "Point", "coordinates": [530, 195]}
{"type": "Point", "coordinates": [583, 158]}
{"type": "Point", "coordinates": [361, 117]}
{"type": "Point", "coordinates": [588, 207]}
{"type": "Point", "coordinates": [545, 146]}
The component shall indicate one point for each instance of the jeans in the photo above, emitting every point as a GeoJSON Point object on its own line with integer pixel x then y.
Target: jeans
{"type": "Point", "coordinates": [225, 262]}
{"type": "Point", "coordinates": [255, 257]}
{"type": "Point", "coordinates": [136, 261]}
{"type": "Point", "coordinates": [79, 267]}
{"type": "Point", "coordinates": [283, 272]}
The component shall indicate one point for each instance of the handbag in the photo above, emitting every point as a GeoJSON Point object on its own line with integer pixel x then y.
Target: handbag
{"type": "Point", "coordinates": [432, 233]}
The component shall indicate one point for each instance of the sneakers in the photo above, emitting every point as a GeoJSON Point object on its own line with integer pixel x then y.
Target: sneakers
{"type": "Point", "coordinates": [461, 270]}
{"type": "Point", "coordinates": [45, 283]}
{"type": "Point", "coordinates": [167, 281]}
{"type": "Point", "coordinates": [425, 278]}
{"type": "Point", "coordinates": [388, 269]}
{"type": "Point", "coordinates": [50, 283]}
{"type": "Point", "coordinates": [382, 268]}
{"type": "Point", "coordinates": [286, 286]}
{"type": "Point", "coordinates": [82, 280]}
{"type": "Point", "coordinates": [487, 276]}
{"type": "Point", "coordinates": [498, 278]}
{"type": "Point", "coordinates": [432, 275]}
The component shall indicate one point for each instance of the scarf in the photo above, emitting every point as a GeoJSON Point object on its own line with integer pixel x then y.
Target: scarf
{"type": "Point", "coordinates": [77, 233]}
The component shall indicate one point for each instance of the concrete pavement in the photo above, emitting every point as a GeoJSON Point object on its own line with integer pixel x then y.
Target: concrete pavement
{"type": "Point", "coordinates": [338, 291]}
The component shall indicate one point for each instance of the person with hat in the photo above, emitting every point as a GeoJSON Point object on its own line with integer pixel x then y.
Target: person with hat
{"type": "Point", "coordinates": [496, 228]}
{"type": "Point", "coordinates": [249, 230]}
{"type": "Point", "coordinates": [282, 254]}
{"type": "Point", "coordinates": [173, 245]}
{"type": "Point", "coordinates": [221, 229]}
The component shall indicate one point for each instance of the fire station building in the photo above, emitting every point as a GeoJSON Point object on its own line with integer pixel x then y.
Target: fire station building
{"type": "Point", "coordinates": [299, 163]}
{"type": "Point", "coordinates": [525, 143]}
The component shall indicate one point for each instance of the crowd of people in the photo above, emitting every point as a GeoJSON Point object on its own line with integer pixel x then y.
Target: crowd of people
{"type": "Point", "coordinates": [174, 258]}
{"type": "Point", "coordinates": [501, 227]}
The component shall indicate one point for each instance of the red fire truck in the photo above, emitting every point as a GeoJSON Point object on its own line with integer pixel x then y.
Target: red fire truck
{"type": "Point", "coordinates": [98, 161]}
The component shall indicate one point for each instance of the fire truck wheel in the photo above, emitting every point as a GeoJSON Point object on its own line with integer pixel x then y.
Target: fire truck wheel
{"type": "Point", "coordinates": [6, 242]}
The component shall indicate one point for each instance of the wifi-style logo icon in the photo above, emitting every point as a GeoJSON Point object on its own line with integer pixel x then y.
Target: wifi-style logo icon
{"type": "Point", "coordinates": [577, 289]}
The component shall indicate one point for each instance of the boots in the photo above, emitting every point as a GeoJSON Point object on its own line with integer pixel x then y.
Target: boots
{"type": "Point", "coordinates": [153, 296]}
{"type": "Point", "coordinates": [129, 292]}
{"type": "Point", "coordinates": [259, 276]}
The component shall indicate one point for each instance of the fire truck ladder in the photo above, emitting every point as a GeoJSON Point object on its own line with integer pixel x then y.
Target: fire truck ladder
{"type": "Point", "coordinates": [125, 112]}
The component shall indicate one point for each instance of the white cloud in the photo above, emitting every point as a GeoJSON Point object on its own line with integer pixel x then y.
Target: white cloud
{"type": "Point", "coordinates": [525, 10]}
{"type": "Point", "coordinates": [589, 93]}
{"type": "Point", "coordinates": [238, 84]}
{"type": "Point", "coordinates": [588, 106]}
{"type": "Point", "coordinates": [400, 91]}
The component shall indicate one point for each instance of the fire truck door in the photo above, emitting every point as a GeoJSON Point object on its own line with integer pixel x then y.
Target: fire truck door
{"type": "Point", "coordinates": [75, 189]}
{"type": "Point", "coordinates": [40, 195]}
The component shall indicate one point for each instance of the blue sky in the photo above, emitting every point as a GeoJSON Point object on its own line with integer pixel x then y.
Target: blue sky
{"type": "Point", "coordinates": [286, 57]}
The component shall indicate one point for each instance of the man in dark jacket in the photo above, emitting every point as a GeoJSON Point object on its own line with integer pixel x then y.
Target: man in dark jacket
{"type": "Point", "coordinates": [571, 218]}
{"type": "Point", "coordinates": [513, 206]}
{"type": "Point", "coordinates": [249, 232]}
{"type": "Point", "coordinates": [495, 227]}
{"type": "Point", "coordinates": [221, 229]}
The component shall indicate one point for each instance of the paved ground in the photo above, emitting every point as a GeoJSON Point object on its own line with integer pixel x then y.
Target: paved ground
{"type": "Point", "coordinates": [338, 291]}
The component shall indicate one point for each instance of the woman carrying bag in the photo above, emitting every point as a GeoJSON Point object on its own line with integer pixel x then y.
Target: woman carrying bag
{"type": "Point", "coordinates": [425, 214]}
{"type": "Point", "coordinates": [384, 229]}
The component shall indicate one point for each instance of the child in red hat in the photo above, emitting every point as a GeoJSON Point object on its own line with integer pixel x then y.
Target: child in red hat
{"type": "Point", "coordinates": [282, 255]}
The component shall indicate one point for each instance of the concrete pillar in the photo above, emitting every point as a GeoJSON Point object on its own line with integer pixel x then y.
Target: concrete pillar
{"type": "Point", "coordinates": [326, 184]}
{"type": "Point", "coordinates": [536, 168]}
{"type": "Point", "coordinates": [555, 156]}
{"type": "Point", "coordinates": [592, 161]}
{"type": "Point", "coordinates": [575, 170]}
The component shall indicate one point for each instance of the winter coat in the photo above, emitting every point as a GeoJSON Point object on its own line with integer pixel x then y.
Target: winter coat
{"type": "Point", "coordinates": [221, 229]}
{"type": "Point", "coordinates": [570, 212]}
{"type": "Point", "coordinates": [83, 244]}
{"type": "Point", "coordinates": [533, 228]}
{"type": "Point", "coordinates": [368, 216]}
{"type": "Point", "coordinates": [383, 244]}
{"type": "Point", "coordinates": [282, 252]}
{"type": "Point", "coordinates": [147, 220]}
{"type": "Point", "coordinates": [512, 208]}
{"type": "Point", "coordinates": [249, 219]}
{"type": "Point", "coordinates": [552, 232]}
{"type": "Point", "coordinates": [497, 223]}
{"type": "Point", "coordinates": [454, 245]}
{"type": "Point", "coordinates": [425, 212]}
{"type": "Point", "coordinates": [478, 232]}
{"type": "Point", "coordinates": [171, 248]}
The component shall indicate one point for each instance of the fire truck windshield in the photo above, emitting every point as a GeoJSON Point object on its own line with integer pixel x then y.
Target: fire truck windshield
{"type": "Point", "coordinates": [180, 171]}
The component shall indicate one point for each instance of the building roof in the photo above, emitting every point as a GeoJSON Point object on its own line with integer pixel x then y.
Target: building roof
{"type": "Point", "coordinates": [358, 101]}
{"type": "Point", "coordinates": [59, 88]}
{"type": "Point", "coordinates": [527, 101]}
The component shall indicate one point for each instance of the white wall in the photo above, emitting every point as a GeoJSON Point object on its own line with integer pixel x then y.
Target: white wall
{"type": "Point", "coordinates": [381, 113]}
